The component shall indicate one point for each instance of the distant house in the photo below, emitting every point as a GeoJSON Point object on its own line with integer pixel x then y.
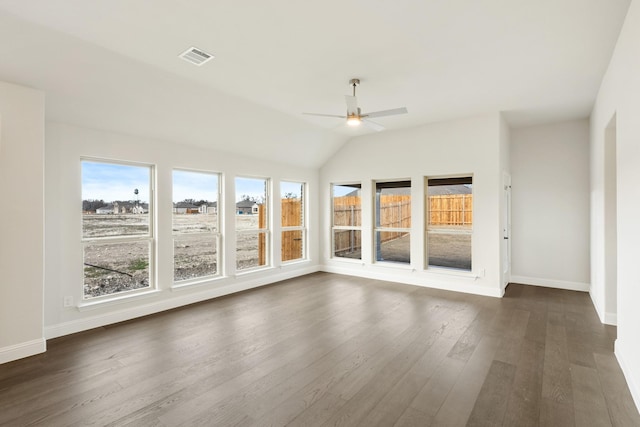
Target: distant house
{"type": "Point", "coordinates": [246, 207]}
{"type": "Point", "coordinates": [208, 208]}
{"type": "Point", "coordinates": [123, 208]}
{"type": "Point", "coordinates": [108, 209]}
{"type": "Point", "coordinates": [185, 208]}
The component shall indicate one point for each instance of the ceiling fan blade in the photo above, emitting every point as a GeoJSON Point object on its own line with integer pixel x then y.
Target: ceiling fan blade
{"type": "Point", "coordinates": [352, 104]}
{"type": "Point", "coordinates": [384, 113]}
{"type": "Point", "coordinates": [372, 125]}
{"type": "Point", "coordinates": [325, 115]}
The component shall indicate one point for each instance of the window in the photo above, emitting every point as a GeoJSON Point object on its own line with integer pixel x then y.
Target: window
{"type": "Point", "coordinates": [393, 221]}
{"type": "Point", "coordinates": [347, 220]}
{"type": "Point", "coordinates": [196, 225]}
{"type": "Point", "coordinates": [117, 227]}
{"type": "Point", "coordinates": [293, 220]}
{"type": "Point", "coordinates": [449, 222]}
{"type": "Point", "coordinates": [252, 224]}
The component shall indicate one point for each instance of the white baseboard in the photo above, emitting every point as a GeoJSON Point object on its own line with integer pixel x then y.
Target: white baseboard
{"type": "Point", "coordinates": [633, 381]}
{"type": "Point", "coordinates": [551, 283]}
{"type": "Point", "coordinates": [115, 316]}
{"type": "Point", "coordinates": [463, 282]}
{"type": "Point", "coordinates": [22, 350]}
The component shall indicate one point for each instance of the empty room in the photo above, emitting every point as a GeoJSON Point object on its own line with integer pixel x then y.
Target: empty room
{"type": "Point", "coordinates": [410, 213]}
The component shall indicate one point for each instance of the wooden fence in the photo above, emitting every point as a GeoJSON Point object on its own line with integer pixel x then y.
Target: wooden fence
{"type": "Point", "coordinates": [451, 209]}
{"type": "Point", "coordinates": [291, 240]}
{"type": "Point", "coordinates": [395, 212]}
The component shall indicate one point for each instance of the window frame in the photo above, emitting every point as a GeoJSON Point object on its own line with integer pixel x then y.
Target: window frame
{"type": "Point", "coordinates": [266, 231]}
{"type": "Point", "coordinates": [217, 234]}
{"type": "Point", "coordinates": [428, 227]}
{"type": "Point", "coordinates": [301, 228]}
{"type": "Point", "coordinates": [334, 227]}
{"type": "Point", "coordinates": [376, 219]}
{"type": "Point", "coordinates": [149, 238]}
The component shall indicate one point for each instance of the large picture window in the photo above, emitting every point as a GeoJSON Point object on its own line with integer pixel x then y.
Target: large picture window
{"type": "Point", "coordinates": [393, 221]}
{"type": "Point", "coordinates": [294, 232]}
{"type": "Point", "coordinates": [346, 227]}
{"type": "Point", "coordinates": [117, 227]}
{"type": "Point", "coordinates": [449, 222]}
{"type": "Point", "coordinates": [196, 225]}
{"type": "Point", "coordinates": [252, 223]}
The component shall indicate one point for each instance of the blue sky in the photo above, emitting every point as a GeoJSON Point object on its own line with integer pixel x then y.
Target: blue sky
{"type": "Point", "coordinates": [109, 181]}
{"type": "Point", "coordinates": [341, 190]}
{"type": "Point", "coordinates": [194, 185]}
{"type": "Point", "coordinates": [112, 181]}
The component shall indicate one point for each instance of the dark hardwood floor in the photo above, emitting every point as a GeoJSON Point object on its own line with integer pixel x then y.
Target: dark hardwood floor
{"type": "Point", "coordinates": [332, 350]}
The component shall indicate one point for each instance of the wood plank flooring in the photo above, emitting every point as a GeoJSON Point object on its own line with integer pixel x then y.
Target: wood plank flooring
{"type": "Point", "coordinates": [331, 350]}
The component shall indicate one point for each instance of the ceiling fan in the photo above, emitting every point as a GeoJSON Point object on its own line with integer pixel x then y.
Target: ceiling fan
{"type": "Point", "coordinates": [355, 117]}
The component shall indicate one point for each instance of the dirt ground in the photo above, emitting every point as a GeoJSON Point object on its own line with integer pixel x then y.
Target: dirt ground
{"type": "Point", "coordinates": [118, 267]}
{"type": "Point", "coordinates": [445, 250]}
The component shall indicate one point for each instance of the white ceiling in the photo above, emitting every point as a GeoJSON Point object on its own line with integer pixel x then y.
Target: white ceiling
{"type": "Point", "coordinates": [113, 64]}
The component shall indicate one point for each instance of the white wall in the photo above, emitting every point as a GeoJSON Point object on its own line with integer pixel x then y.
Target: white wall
{"type": "Point", "coordinates": [550, 205]}
{"type": "Point", "coordinates": [66, 144]}
{"type": "Point", "coordinates": [21, 221]}
{"type": "Point", "coordinates": [618, 97]}
{"type": "Point", "coordinates": [460, 147]}
{"type": "Point", "coordinates": [505, 207]}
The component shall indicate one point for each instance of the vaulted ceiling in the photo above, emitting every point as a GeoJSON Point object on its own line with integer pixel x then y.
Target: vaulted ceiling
{"type": "Point", "coordinates": [113, 64]}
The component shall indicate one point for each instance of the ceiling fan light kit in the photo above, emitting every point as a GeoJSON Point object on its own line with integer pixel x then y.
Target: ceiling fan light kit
{"type": "Point", "coordinates": [354, 115]}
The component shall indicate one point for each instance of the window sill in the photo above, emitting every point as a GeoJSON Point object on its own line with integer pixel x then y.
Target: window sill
{"type": "Point", "coordinates": [188, 284]}
{"type": "Point", "coordinates": [394, 265]}
{"type": "Point", "coordinates": [115, 300]}
{"type": "Point", "coordinates": [294, 262]}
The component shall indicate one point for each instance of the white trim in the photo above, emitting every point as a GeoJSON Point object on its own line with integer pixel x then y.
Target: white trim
{"type": "Point", "coordinates": [22, 350]}
{"type": "Point", "coordinates": [611, 319]}
{"type": "Point", "coordinates": [551, 283]}
{"type": "Point", "coordinates": [99, 320]}
{"type": "Point", "coordinates": [596, 305]}
{"type": "Point", "coordinates": [119, 298]}
{"type": "Point", "coordinates": [634, 388]}
{"type": "Point", "coordinates": [414, 277]}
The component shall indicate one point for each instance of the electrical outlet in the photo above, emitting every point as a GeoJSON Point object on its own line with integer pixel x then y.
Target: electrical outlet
{"type": "Point", "coordinates": [68, 301]}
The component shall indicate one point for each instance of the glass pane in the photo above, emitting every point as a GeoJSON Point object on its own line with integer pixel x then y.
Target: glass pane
{"type": "Point", "coordinates": [393, 205]}
{"type": "Point", "coordinates": [251, 204]}
{"type": "Point", "coordinates": [291, 199]}
{"type": "Point", "coordinates": [347, 206]}
{"type": "Point", "coordinates": [194, 257]}
{"type": "Point", "coordinates": [292, 245]}
{"type": "Point", "coordinates": [115, 267]}
{"type": "Point", "coordinates": [115, 199]}
{"type": "Point", "coordinates": [195, 202]}
{"type": "Point", "coordinates": [450, 205]}
{"type": "Point", "coordinates": [347, 244]}
{"type": "Point", "coordinates": [251, 250]}
{"type": "Point", "coordinates": [451, 250]}
{"type": "Point", "coordinates": [392, 246]}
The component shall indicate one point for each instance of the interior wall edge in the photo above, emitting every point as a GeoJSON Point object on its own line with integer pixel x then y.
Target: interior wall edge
{"type": "Point", "coordinates": [621, 354]}
{"type": "Point", "coordinates": [597, 305]}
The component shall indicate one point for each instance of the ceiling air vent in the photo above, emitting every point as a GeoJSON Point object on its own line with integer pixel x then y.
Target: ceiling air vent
{"type": "Point", "coordinates": [195, 56]}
